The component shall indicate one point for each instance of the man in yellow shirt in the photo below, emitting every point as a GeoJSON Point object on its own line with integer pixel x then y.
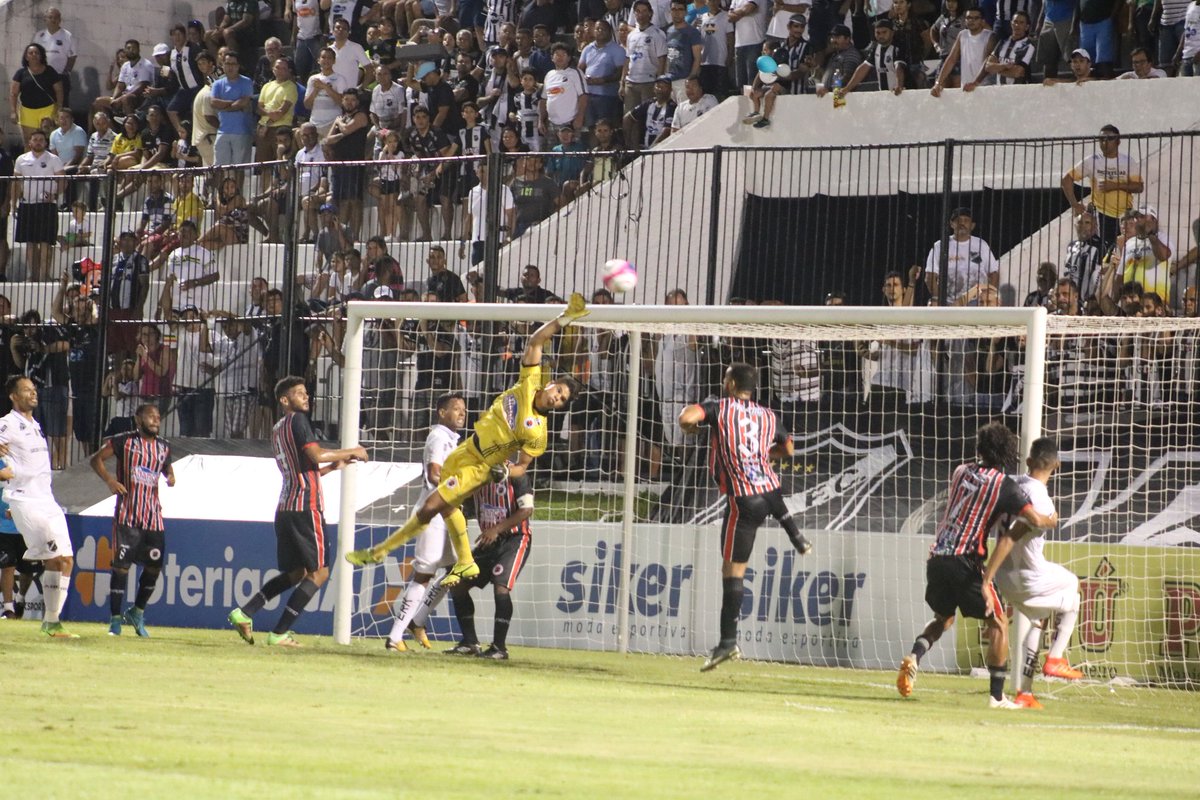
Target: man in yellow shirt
{"type": "Point", "coordinates": [1114, 178]}
{"type": "Point", "coordinates": [516, 422]}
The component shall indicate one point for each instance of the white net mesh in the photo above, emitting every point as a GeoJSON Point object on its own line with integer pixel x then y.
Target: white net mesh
{"type": "Point", "coordinates": [880, 413]}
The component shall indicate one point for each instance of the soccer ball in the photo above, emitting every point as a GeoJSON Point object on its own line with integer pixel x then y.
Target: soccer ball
{"type": "Point", "coordinates": [619, 275]}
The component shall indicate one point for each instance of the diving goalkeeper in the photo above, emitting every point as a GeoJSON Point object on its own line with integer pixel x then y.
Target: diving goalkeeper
{"type": "Point", "coordinates": [515, 422]}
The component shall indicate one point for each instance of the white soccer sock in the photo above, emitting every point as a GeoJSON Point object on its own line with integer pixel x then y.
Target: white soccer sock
{"type": "Point", "coordinates": [64, 587]}
{"type": "Point", "coordinates": [433, 599]}
{"type": "Point", "coordinates": [406, 608]}
{"type": "Point", "coordinates": [1066, 627]}
{"type": "Point", "coordinates": [9, 607]}
{"type": "Point", "coordinates": [50, 595]}
{"type": "Point", "coordinates": [1029, 639]}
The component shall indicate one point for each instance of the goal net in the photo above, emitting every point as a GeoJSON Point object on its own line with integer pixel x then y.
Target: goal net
{"type": "Point", "coordinates": [882, 404]}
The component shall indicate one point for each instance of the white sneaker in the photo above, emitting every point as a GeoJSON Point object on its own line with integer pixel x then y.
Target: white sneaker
{"type": "Point", "coordinates": [751, 118]}
{"type": "Point", "coordinates": [1003, 702]}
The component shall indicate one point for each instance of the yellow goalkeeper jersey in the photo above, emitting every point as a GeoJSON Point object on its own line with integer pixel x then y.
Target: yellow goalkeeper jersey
{"type": "Point", "coordinates": [512, 423]}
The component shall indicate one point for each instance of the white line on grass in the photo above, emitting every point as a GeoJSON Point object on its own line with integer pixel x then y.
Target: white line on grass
{"type": "Point", "coordinates": [1106, 726]}
{"type": "Point", "coordinates": [804, 707]}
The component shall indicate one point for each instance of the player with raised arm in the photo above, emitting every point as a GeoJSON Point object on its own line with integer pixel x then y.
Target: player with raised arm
{"type": "Point", "coordinates": [301, 544]}
{"type": "Point", "coordinates": [980, 494]}
{"type": "Point", "coordinates": [1036, 587]}
{"type": "Point", "coordinates": [137, 532]}
{"type": "Point", "coordinates": [31, 501]}
{"type": "Point", "coordinates": [744, 438]}
{"type": "Point", "coordinates": [503, 510]}
{"type": "Point", "coordinates": [433, 551]}
{"type": "Point", "coordinates": [516, 422]}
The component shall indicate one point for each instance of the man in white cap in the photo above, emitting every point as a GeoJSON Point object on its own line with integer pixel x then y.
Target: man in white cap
{"type": "Point", "coordinates": [1146, 254]}
{"type": "Point", "coordinates": [1081, 69]}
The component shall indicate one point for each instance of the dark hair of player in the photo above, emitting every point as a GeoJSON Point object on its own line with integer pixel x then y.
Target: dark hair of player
{"type": "Point", "coordinates": [445, 400]}
{"type": "Point", "coordinates": [996, 446]}
{"type": "Point", "coordinates": [143, 408]}
{"type": "Point", "coordinates": [286, 384]}
{"type": "Point", "coordinates": [744, 377]}
{"type": "Point", "coordinates": [1043, 453]}
{"type": "Point", "coordinates": [575, 387]}
{"type": "Point", "coordinates": [10, 385]}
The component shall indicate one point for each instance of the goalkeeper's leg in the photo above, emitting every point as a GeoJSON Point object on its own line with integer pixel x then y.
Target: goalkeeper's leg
{"type": "Point", "coordinates": [409, 530]}
{"type": "Point", "coordinates": [465, 567]}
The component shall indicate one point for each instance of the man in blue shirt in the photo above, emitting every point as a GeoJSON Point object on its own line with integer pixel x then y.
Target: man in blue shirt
{"type": "Point", "coordinates": [684, 47]}
{"type": "Point", "coordinates": [233, 99]}
{"type": "Point", "coordinates": [601, 63]}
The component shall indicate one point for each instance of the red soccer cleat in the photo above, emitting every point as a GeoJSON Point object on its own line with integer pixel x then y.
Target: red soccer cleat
{"type": "Point", "coordinates": [1059, 668]}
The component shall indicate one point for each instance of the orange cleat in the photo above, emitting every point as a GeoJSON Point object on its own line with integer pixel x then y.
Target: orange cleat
{"type": "Point", "coordinates": [1027, 700]}
{"type": "Point", "coordinates": [907, 675]}
{"type": "Point", "coordinates": [1059, 668]}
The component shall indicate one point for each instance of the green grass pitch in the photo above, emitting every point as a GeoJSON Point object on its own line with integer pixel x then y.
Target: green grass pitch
{"type": "Point", "coordinates": [198, 714]}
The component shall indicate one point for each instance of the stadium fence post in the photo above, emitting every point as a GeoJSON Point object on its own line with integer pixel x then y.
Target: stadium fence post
{"type": "Point", "coordinates": [106, 251]}
{"type": "Point", "coordinates": [343, 576]}
{"type": "Point", "coordinates": [630, 498]}
{"type": "Point", "coordinates": [714, 223]}
{"type": "Point", "coordinates": [947, 190]}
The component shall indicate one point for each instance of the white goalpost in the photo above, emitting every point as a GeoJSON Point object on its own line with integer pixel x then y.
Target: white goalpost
{"type": "Point", "coordinates": [625, 536]}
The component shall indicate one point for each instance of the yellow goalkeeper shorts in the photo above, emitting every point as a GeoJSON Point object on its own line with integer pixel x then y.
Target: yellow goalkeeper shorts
{"type": "Point", "coordinates": [463, 471]}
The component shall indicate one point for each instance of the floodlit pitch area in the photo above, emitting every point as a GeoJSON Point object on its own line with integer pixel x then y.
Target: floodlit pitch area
{"type": "Point", "coordinates": [197, 714]}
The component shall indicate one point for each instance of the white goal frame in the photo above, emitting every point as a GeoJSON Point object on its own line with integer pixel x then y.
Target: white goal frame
{"type": "Point", "coordinates": [871, 320]}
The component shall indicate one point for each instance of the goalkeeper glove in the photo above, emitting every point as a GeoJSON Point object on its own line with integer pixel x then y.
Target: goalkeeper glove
{"type": "Point", "coordinates": [499, 473]}
{"type": "Point", "coordinates": [576, 308]}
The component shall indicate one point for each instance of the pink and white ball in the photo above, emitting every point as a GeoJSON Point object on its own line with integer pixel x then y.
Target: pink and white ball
{"type": "Point", "coordinates": [619, 275]}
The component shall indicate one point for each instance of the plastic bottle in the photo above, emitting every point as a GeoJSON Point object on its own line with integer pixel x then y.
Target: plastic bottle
{"type": "Point", "coordinates": [839, 96]}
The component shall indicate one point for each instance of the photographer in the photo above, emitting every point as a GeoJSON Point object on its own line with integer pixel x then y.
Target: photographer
{"type": "Point", "coordinates": [79, 322]}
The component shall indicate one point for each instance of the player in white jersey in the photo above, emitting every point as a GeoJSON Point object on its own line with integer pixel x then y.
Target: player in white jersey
{"type": "Point", "coordinates": [39, 519]}
{"type": "Point", "coordinates": [1036, 587]}
{"type": "Point", "coordinates": [433, 551]}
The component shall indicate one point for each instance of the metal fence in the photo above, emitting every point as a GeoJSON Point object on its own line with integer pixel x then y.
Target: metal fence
{"type": "Point", "coordinates": [203, 320]}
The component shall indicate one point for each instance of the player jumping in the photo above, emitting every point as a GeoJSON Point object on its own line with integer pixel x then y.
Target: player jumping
{"type": "Point", "coordinates": [980, 493]}
{"type": "Point", "coordinates": [1036, 587]}
{"type": "Point", "coordinates": [515, 422]}
{"type": "Point", "coordinates": [137, 531]}
{"type": "Point", "coordinates": [745, 438]}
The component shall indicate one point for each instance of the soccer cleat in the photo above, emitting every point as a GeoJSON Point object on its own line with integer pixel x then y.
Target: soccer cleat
{"type": "Point", "coordinates": [1059, 668]}
{"type": "Point", "coordinates": [137, 618]}
{"type": "Point", "coordinates": [114, 626]}
{"type": "Point", "coordinates": [803, 545]}
{"type": "Point", "coordinates": [462, 649]}
{"type": "Point", "coordinates": [763, 123]}
{"type": "Point", "coordinates": [461, 571]}
{"type": "Point", "coordinates": [495, 653]}
{"type": "Point", "coordinates": [19, 609]}
{"type": "Point", "coordinates": [284, 639]}
{"type": "Point", "coordinates": [1003, 702]}
{"type": "Point", "coordinates": [55, 630]}
{"type": "Point", "coordinates": [1027, 700]}
{"type": "Point", "coordinates": [750, 118]}
{"type": "Point", "coordinates": [907, 675]}
{"type": "Point", "coordinates": [395, 647]}
{"type": "Point", "coordinates": [720, 654]}
{"type": "Point", "coordinates": [8, 614]}
{"type": "Point", "coordinates": [361, 558]}
{"type": "Point", "coordinates": [242, 623]}
{"type": "Point", "coordinates": [419, 636]}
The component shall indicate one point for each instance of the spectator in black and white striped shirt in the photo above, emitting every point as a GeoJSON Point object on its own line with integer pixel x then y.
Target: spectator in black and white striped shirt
{"type": "Point", "coordinates": [1010, 61]}
{"type": "Point", "coordinates": [883, 58]}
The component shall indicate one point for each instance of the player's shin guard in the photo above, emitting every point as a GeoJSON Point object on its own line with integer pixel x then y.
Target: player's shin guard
{"type": "Point", "coordinates": [433, 598]}
{"type": "Point", "coordinates": [116, 592]}
{"type": "Point", "coordinates": [146, 583]}
{"type": "Point", "coordinates": [271, 589]}
{"type": "Point", "coordinates": [464, 610]}
{"type": "Point", "coordinates": [504, 612]}
{"type": "Point", "coordinates": [1064, 628]}
{"type": "Point", "coordinates": [295, 605]}
{"type": "Point", "coordinates": [1028, 640]}
{"type": "Point", "coordinates": [456, 529]}
{"type": "Point", "coordinates": [407, 606]}
{"type": "Point", "coordinates": [733, 589]}
{"type": "Point", "coordinates": [996, 677]}
{"type": "Point", "coordinates": [50, 593]}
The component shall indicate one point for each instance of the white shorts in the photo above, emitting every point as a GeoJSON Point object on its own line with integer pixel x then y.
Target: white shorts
{"type": "Point", "coordinates": [43, 526]}
{"type": "Point", "coordinates": [1039, 594]}
{"type": "Point", "coordinates": [433, 548]}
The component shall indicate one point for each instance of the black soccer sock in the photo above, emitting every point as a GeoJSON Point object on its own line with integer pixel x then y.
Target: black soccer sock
{"type": "Point", "coordinates": [464, 611]}
{"type": "Point", "coordinates": [116, 592]}
{"type": "Point", "coordinates": [920, 648]}
{"type": "Point", "coordinates": [793, 532]}
{"type": "Point", "coordinates": [504, 610]}
{"type": "Point", "coordinates": [272, 588]}
{"type": "Point", "coordinates": [997, 676]}
{"type": "Point", "coordinates": [732, 592]}
{"type": "Point", "coordinates": [295, 605]}
{"type": "Point", "coordinates": [146, 584]}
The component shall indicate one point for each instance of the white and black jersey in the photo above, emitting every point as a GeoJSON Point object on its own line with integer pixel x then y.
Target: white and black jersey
{"type": "Point", "coordinates": [527, 105]}
{"type": "Point", "coordinates": [1005, 9]}
{"type": "Point", "coordinates": [496, 113]}
{"type": "Point", "coordinates": [883, 61]}
{"type": "Point", "coordinates": [1015, 51]}
{"type": "Point", "coordinates": [183, 66]}
{"type": "Point", "coordinates": [655, 118]}
{"type": "Point", "coordinates": [793, 55]}
{"type": "Point", "coordinates": [470, 143]}
{"type": "Point", "coordinates": [1083, 265]}
{"type": "Point", "coordinates": [498, 13]}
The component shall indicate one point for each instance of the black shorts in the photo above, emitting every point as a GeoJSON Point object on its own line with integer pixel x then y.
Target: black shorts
{"type": "Point", "coordinates": [12, 548]}
{"type": "Point", "coordinates": [956, 582]}
{"type": "Point", "coordinates": [300, 540]}
{"type": "Point", "coordinates": [500, 562]}
{"type": "Point", "coordinates": [389, 188]}
{"type": "Point", "coordinates": [743, 517]}
{"type": "Point", "coordinates": [37, 223]}
{"type": "Point", "coordinates": [136, 546]}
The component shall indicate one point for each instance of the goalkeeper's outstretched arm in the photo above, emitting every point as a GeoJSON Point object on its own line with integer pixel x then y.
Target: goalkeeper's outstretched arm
{"type": "Point", "coordinates": [575, 309]}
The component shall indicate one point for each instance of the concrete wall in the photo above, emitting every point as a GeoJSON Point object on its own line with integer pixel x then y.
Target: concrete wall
{"type": "Point", "coordinates": [99, 27]}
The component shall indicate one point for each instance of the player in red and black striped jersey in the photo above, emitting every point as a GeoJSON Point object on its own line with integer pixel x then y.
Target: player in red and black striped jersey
{"type": "Point", "coordinates": [744, 439]}
{"type": "Point", "coordinates": [301, 544]}
{"type": "Point", "coordinates": [137, 532]}
{"type": "Point", "coordinates": [981, 492]}
{"type": "Point", "coordinates": [503, 510]}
